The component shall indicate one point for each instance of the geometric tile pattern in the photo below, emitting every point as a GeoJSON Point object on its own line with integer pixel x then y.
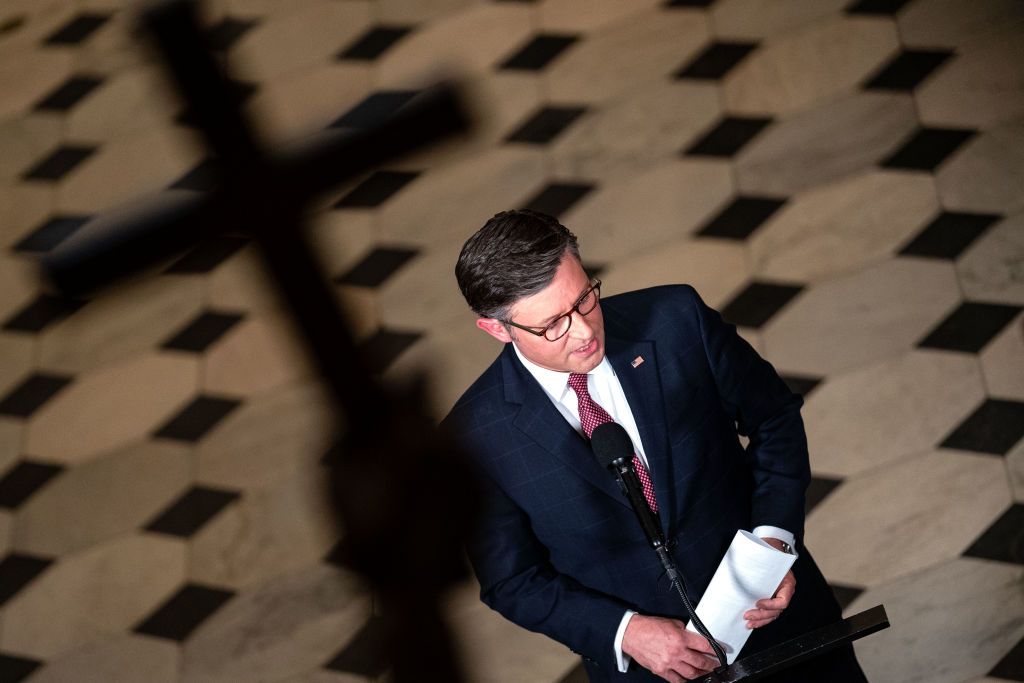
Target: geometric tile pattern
{"type": "Point", "coordinates": [78, 29]}
{"type": "Point", "coordinates": [44, 311]}
{"type": "Point", "coordinates": [758, 303]}
{"type": "Point", "coordinates": [702, 140]}
{"type": "Point", "coordinates": [927, 148]}
{"type": "Point", "coordinates": [184, 612]}
{"type": "Point", "coordinates": [374, 43]}
{"type": "Point", "coordinates": [994, 427]}
{"type": "Point", "coordinates": [197, 418]}
{"type": "Point", "coordinates": [190, 512]}
{"type": "Point", "coordinates": [376, 267]}
{"type": "Point", "coordinates": [31, 394]}
{"type": "Point", "coordinates": [716, 60]}
{"type": "Point", "coordinates": [970, 327]}
{"type": "Point", "coordinates": [1004, 540]}
{"type": "Point", "coordinates": [545, 125]}
{"type": "Point", "coordinates": [949, 234]}
{"type": "Point", "coordinates": [907, 70]}
{"type": "Point", "coordinates": [20, 482]}
{"type": "Point", "coordinates": [538, 53]}
{"type": "Point", "coordinates": [203, 331]}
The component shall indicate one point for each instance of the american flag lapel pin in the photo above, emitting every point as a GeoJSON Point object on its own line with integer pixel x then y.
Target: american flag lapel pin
{"type": "Point", "coordinates": [637, 362]}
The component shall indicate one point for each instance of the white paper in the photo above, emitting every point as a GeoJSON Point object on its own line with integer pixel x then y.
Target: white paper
{"type": "Point", "coordinates": [750, 571]}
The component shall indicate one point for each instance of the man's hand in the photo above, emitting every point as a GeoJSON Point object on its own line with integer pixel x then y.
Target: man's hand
{"type": "Point", "coordinates": [665, 647]}
{"type": "Point", "coordinates": [769, 609]}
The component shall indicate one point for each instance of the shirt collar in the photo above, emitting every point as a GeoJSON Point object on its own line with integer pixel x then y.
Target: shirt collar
{"type": "Point", "coordinates": [555, 384]}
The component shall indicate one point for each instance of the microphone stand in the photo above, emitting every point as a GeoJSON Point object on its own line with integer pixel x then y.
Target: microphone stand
{"type": "Point", "coordinates": [631, 487]}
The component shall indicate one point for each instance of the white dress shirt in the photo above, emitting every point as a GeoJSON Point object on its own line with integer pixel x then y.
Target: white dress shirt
{"type": "Point", "coordinates": [606, 390]}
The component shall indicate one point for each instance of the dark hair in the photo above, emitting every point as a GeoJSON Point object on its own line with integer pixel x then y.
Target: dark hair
{"type": "Point", "coordinates": [514, 255]}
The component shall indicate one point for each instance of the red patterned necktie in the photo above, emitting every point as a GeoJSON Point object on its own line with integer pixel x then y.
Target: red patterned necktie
{"type": "Point", "coordinates": [592, 415]}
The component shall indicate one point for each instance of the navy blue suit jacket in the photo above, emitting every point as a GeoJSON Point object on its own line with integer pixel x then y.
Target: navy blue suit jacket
{"type": "Point", "coordinates": [559, 550]}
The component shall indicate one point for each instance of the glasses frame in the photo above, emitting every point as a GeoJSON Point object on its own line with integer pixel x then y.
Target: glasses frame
{"type": "Point", "coordinates": [542, 331]}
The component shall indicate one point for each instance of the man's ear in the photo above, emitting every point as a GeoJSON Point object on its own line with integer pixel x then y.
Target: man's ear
{"type": "Point", "coordinates": [495, 328]}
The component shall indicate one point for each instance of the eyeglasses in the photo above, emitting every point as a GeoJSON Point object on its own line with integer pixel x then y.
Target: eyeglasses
{"type": "Point", "coordinates": [560, 325]}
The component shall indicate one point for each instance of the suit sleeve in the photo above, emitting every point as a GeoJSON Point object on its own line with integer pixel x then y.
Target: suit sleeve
{"type": "Point", "coordinates": [767, 413]}
{"type": "Point", "coordinates": [518, 581]}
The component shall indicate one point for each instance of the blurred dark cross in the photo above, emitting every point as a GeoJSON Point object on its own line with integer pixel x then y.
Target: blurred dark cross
{"type": "Point", "coordinates": [404, 496]}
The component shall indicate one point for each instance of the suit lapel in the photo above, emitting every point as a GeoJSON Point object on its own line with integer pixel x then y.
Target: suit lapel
{"type": "Point", "coordinates": [539, 420]}
{"type": "Point", "coordinates": [642, 387]}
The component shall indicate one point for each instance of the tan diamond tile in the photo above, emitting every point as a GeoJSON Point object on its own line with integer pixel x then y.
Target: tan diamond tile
{"type": "Point", "coordinates": [810, 65]}
{"type": "Point", "coordinates": [96, 593]}
{"type": "Point", "coordinates": [129, 103]}
{"type": "Point", "coordinates": [267, 439]}
{"type": "Point", "coordinates": [122, 323]}
{"type": "Point", "coordinates": [759, 19]}
{"type": "Point", "coordinates": [138, 396]}
{"type": "Point", "coordinates": [844, 226]}
{"type": "Point", "coordinates": [985, 173]}
{"type": "Point", "coordinates": [1002, 362]}
{"type": "Point", "coordinates": [19, 284]}
{"type": "Point", "coordinates": [883, 413]}
{"type": "Point", "coordinates": [120, 659]}
{"type": "Point", "coordinates": [647, 47]}
{"type": "Point", "coordinates": [12, 431]}
{"type": "Point", "coordinates": [296, 104]}
{"type": "Point", "coordinates": [950, 23]}
{"type": "Point", "coordinates": [915, 513]}
{"type": "Point", "coordinates": [98, 500]}
{"type": "Point", "coordinates": [991, 270]}
{"type": "Point", "coordinates": [23, 208]}
{"type": "Point", "coordinates": [17, 350]}
{"type": "Point", "coordinates": [565, 15]}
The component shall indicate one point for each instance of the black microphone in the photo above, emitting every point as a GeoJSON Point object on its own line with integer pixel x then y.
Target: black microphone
{"type": "Point", "coordinates": [614, 450]}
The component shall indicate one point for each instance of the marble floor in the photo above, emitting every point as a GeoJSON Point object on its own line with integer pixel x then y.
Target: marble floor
{"type": "Point", "coordinates": [841, 178]}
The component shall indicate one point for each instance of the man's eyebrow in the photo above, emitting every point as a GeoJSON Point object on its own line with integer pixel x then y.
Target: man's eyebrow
{"type": "Point", "coordinates": [552, 319]}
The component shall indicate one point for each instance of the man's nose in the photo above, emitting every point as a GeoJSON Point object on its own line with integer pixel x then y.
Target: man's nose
{"type": "Point", "coordinates": [580, 329]}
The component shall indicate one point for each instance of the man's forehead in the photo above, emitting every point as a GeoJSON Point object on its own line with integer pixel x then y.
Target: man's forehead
{"type": "Point", "coordinates": [553, 301]}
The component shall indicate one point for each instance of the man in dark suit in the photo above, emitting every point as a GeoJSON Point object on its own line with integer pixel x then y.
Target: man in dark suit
{"type": "Point", "coordinates": [559, 550]}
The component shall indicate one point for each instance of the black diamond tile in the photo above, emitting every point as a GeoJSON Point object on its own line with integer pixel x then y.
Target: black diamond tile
{"type": "Point", "coordinates": [28, 396]}
{"type": "Point", "coordinates": [578, 674]}
{"type": "Point", "coordinates": [183, 612]}
{"type": "Point", "coordinates": [202, 177]}
{"type": "Point", "coordinates": [728, 137]}
{"type": "Point", "coordinates": [927, 148]}
{"type": "Point", "coordinates": [906, 71]}
{"type": "Point", "coordinates": [203, 331]}
{"type": "Point", "coordinates": [385, 346]}
{"type": "Point", "coordinates": [377, 266]}
{"type": "Point", "coordinates": [14, 669]}
{"type": "Point", "coordinates": [970, 327]}
{"type": "Point", "coordinates": [197, 418]}
{"type": "Point", "coordinates": [23, 480]}
{"type": "Point", "coordinates": [78, 29]}
{"type": "Point", "coordinates": [43, 311]}
{"type": "Point", "coordinates": [545, 125]}
{"type": "Point", "coordinates": [1011, 667]}
{"type": "Point", "coordinates": [363, 655]}
{"type": "Point", "coordinates": [208, 254]}
{"type": "Point", "coordinates": [374, 42]}
{"type": "Point", "coordinates": [758, 302]}
{"type": "Point", "coordinates": [876, 7]}
{"type": "Point", "coordinates": [557, 198]}
{"type": "Point", "coordinates": [716, 60]}
{"type": "Point", "coordinates": [993, 428]}
{"type": "Point", "coordinates": [949, 234]}
{"type": "Point", "coordinates": [1004, 540]}
{"type": "Point", "coordinates": [17, 571]}
{"type": "Point", "coordinates": [375, 108]}
{"type": "Point", "coordinates": [222, 35]}
{"type": "Point", "coordinates": [240, 92]}
{"type": "Point", "coordinates": [376, 189]}
{"type": "Point", "coordinates": [69, 93]}
{"type": "Point", "coordinates": [742, 217]}
{"type": "Point", "coordinates": [190, 512]}
{"type": "Point", "coordinates": [800, 384]}
{"type": "Point", "coordinates": [337, 555]}
{"type": "Point", "coordinates": [59, 163]}
{"type": "Point", "coordinates": [818, 490]}
{"type": "Point", "coordinates": [51, 233]}
{"type": "Point", "coordinates": [845, 594]}
{"type": "Point", "coordinates": [539, 52]}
